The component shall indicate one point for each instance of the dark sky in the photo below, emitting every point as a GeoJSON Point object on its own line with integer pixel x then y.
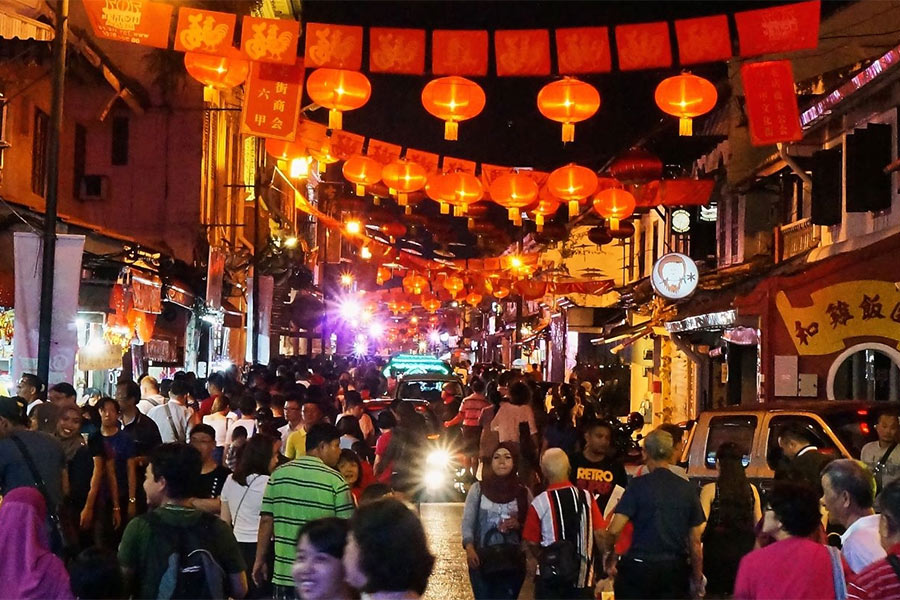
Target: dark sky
{"type": "Point", "coordinates": [510, 130]}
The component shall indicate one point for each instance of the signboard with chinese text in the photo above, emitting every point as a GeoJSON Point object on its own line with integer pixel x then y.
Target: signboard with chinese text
{"type": "Point", "coordinates": [272, 100]}
{"type": "Point", "coordinates": [851, 309]}
{"type": "Point", "coordinates": [270, 40]}
{"type": "Point", "coordinates": [134, 21]}
{"type": "Point", "coordinates": [204, 31]}
{"type": "Point", "coordinates": [779, 28]}
{"type": "Point", "coordinates": [771, 102]}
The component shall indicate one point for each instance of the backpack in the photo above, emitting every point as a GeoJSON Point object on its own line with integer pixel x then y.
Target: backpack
{"type": "Point", "coordinates": [191, 570]}
{"type": "Point", "coordinates": [560, 562]}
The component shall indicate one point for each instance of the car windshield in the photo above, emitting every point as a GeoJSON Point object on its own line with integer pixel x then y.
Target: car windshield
{"type": "Point", "coordinates": [427, 390]}
{"type": "Point", "coordinates": [852, 428]}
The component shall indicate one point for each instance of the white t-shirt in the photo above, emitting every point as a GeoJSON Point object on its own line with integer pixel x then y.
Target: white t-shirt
{"type": "Point", "coordinates": [245, 514]}
{"type": "Point", "coordinates": [249, 424]}
{"type": "Point", "coordinates": [221, 424]}
{"type": "Point", "coordinates": [150, 402]}
{"type": "Point", "coordinates": [181, 420]}
{"type": "Point", "coordinates": [506, 422]}
{"type": "Point", "coordinates": [861, 543]}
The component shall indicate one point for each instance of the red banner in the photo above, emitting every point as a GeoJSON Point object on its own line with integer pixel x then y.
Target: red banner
{"type": "Point", "coordinates": [458, 164]}
{"type": "Point", "coordinates": [583, 50]}
{"type": "Point", "coordinates": [778, 29]}
{"type": "Point", "coordinates": [345, 144]}
{"type": "Point", "coordinates": [426, 159]}
{"type": "Point", "coordinates": [489, 173]}
{"type": "Point", "coordinates": [644, 46]}
{"type": "Point", "coordinates": [204, 31]}
{"type": "Point", "coordinates": [334, 46]}
{"type": "Point", "coordinates": [311, 134]}
{"type": "Point", "coordinates": [144, 23]}
{"type": "Point", "coordinates": [270, 40]}
{"type": "Point", "coordinates": [522, 52]}
{"type": "Point", "coordinates": [383, 152]}
{"type": "Point", "coordinates": [771, 102]}
{"type": "Point", "coordinates": [459, 53]}
{"type": "Point", "coordinates": [705, 39]}
{"type": "Point", "coordinates": [685, 192]}
{"type": "Point", "coordinates": [272, 100]}
{"type": "Point", "coordinates": [397, 50]}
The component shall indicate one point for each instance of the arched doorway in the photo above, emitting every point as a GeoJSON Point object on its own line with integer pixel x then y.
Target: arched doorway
{"type": "Point", "coordinates": [865, 372]}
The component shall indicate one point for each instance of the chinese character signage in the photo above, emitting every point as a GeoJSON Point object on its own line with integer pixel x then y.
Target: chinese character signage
{"type": "Point", "coordinates": [204, 31]}
{"type": "Point", "coordinates": [778, 29]}
{"type": "Point", "coordinates": [459, 53]}
{"type": "Point", "coordinates": [272, 100]}
{"type": "Point", "coordinates": [644, 46]}
{"type": "Point", "coordinates": [771, 102]}
{"type": "Point", "coordinates": [583, 50]}
{"type": "Point", "coordinates": [852, 309]}
{"type": "Point", "coordinates": [704, 39]}
{"type": "Point", "coordinates": [334, 46]}
{"type": "Point", "coordinates": [134, 21]}
{"type": "Point", "coordinates": [396, 50]}
{"type": "Point", "coordinates": [522, 52]}
{"type": "Point", "coordinates": [270, 40]}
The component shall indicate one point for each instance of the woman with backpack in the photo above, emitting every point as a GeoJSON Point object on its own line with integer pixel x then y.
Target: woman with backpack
{"type": "Point", "coordinates": [242, 498]}
{"type": "Point", "coordinates": [732, 509]}
{"type": "Point", "coordinates": [491, 528]}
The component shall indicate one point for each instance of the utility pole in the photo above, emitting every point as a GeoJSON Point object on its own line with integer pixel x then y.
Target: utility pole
{"type": "Point", "coordinates": [48, 264]}
{"type": "Point", "coordinates": [257, 255]}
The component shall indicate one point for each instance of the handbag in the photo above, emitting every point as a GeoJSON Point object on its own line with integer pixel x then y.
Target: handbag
{"type": "Point", "coordinates": [60, 543]}
{"type": "Point", "coordinates": [560, 562]}
{"type": "Point", "coordinates": [502, 557]}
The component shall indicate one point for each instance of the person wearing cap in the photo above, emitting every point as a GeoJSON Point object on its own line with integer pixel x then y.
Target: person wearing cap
{"type": "Point", "coordinates": [43, 449]}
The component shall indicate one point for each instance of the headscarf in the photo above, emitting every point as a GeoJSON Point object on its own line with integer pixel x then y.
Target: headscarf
{"type": "Point", "coordinates": [502, 490]}
{"type": "Point", "coordinates": [71, 445]}
{"type": "Point", "coordinates": [27, 567]}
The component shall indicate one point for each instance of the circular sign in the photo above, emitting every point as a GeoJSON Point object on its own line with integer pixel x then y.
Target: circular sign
{"type": "Point", "coordinates": [674, 276]}
{"type": "Point", "coordinates": [681, 221]}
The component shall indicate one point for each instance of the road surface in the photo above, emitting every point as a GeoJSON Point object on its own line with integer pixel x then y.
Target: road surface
{"type": "Point", "coordinates": [450, 579]}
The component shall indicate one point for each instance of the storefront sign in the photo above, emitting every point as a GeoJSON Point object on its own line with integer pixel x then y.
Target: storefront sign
{"type": "Point", "coordinates": [771, 102]}
{"type": "Point", "coordinates": [853, 309]}
{"type": "Point", "coordinates": [99, 357]}
{"type": "Point", "coordinates": [272, 100]}
{"type": "Point", "coordinates": [681, 221]}
{"type": "Point", "coordinates": [674, 276]}
{"type": "Point", "coordinates": [134, 21]}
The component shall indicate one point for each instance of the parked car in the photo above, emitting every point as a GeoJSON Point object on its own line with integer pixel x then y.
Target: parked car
{"type": "Point", "coordinates": [837, 428]}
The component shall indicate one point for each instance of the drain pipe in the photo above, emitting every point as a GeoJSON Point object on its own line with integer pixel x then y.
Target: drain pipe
{"type": "Point", "coordinates": [790, 162]}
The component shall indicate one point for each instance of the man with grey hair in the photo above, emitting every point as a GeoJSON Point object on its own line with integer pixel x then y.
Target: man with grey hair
{"type": "Point", "coordinates": [849, 495]}
{"type": "Point", "coordinates": [562, 522]}
{"type": "Point", "coordinates": [665, 559]}
{"type": "Point", "coordinates": [150, 396]}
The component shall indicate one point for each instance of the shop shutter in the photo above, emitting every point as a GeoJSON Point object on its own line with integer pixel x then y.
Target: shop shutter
{"type": "Point", "coordinates": [826, 187]}
{"type": "Point", "coordinates": [868, 153]}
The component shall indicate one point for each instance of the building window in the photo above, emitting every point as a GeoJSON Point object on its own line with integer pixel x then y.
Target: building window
{"type": "Point", "coordinates": [40, 140]}
{"type": "Point", "coordinates": [120, 141]}
{"type": "Point", "coordinates": [655, 241]}
{"type": "Point", "coordinates": [78, 158]}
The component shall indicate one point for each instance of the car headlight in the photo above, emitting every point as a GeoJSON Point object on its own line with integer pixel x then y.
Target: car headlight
{"type": "Point", "coordinates": [434, 479]}
{"type": "Point", "coordinates": [438, 458]}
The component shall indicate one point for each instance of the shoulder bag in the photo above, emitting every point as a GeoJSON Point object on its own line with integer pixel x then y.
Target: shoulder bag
{"type": "Point", "coordinates": [560, 562]}
{"type": "Point", "coordinates": [878, 469]}
{"type": "Point", "coordinates": [497, 553]}
{"type": "Point", "coordinates": [59, 542]}
{"type": "Point", "coordinates": [179, 437]}
{"type": "Point", "coordinates": [241, 503]}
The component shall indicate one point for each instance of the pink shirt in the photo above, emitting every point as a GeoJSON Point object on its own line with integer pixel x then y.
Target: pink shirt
{"type": "Point", "coordinates": [796, 568]}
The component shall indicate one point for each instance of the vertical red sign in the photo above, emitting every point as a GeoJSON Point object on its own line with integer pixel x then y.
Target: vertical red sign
{"type": "Point", "coordinates": [771, 102]}
{"type": "Point", "coordinates": [272, 100]}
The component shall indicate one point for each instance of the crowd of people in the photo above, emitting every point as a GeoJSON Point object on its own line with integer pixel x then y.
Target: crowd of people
{"type": "Point", "coordinates": [279, 483]}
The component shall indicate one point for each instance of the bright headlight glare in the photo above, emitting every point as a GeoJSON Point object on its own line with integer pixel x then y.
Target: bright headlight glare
{"type": "Point", "coordinates": [434, 479]}
{"type": "Point", "coordinates": [438, 458]}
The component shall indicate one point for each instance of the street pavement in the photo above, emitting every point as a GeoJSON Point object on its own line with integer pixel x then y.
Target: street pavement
{"type": "Point", "coordinates": [450, 579]}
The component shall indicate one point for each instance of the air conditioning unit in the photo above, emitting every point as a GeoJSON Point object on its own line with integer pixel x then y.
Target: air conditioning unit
{"type": "Point", "coordinates": [93, 187]}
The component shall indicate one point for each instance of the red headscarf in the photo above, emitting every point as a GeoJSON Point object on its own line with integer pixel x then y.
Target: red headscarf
{"type": "Point", "coordinates": [502, 490]}
{"type": "Point", "coordinates": [27, 567]}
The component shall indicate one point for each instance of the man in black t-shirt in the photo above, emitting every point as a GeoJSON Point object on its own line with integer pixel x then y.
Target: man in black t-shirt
{"type": "Point", "coordinates": [596, 469]}
{"type": "Point", "coordinates": [212, 476]}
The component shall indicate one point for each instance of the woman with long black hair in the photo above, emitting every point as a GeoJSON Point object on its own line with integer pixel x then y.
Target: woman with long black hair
{"type": "Point", "coordinates": [732, 509]}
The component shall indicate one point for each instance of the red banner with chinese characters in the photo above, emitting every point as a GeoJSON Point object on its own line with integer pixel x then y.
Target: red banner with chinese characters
{"type": "Point", "coordinates": [426, 159]}
{"type": "Point", "coordinates": [522, 52]}
{"type": "Point", "coordinates": [705, 39]}
{"type": "Point", "coordinates": [583, 50]}
{"type": "Point", "coordinates": [383, 152]}
{"type": "Point", "coordinates": [334, 46]}
{"type": "Point", "coordinates": [311, 134]}
{"type": "Point", "coordinates": [397, 50]}
{"type": "Point", "coordinates": [345, 144]}
{"type": "Point", "coordinates": [144, 23]}
{"type": "Point", "coordinates": [644, 46]}
{"type": "Point", "coordinates": [272, 100]}
{"type": "Point", "coordinates": [458, 164]}
{"type": "Point", "coordinates": [204, 31]}
{"type": "Point", "coordinates": [771, 102]}
{"type": "Point", "coordinates": [270, 40]}
{"type": "Point", "coordinates": [459, 52]}
{"type": "Point", "coordinates": [778, 29]}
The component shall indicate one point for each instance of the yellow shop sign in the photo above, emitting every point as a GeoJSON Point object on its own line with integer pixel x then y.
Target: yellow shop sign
{"type": "Point", "coordinates": [844, 310]}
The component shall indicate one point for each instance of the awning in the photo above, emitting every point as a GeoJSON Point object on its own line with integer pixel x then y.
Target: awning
{"type": "Point", "coordinates": [15, 26]}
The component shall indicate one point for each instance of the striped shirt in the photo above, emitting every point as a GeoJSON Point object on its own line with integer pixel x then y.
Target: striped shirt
{"type": "Point", "coordinates": [878, 581]}
{"type": "Point", "coordinates": [553, 516]}
{"type": "Point", "coordinates": [303, 490]}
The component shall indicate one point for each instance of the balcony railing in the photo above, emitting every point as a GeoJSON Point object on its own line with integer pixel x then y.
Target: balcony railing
{"type": "Point", "coordinates": [795, 239]}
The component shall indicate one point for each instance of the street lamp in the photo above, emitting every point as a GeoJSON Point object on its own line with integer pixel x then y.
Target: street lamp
{"type": "Point", "coordinates": [346, 279]}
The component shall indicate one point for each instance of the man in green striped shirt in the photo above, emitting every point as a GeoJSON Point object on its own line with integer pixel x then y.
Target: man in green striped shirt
{"type": "Point", "coordinates": [305, 489]}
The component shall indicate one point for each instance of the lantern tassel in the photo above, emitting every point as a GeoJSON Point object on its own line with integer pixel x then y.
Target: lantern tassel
{"type": "Point", "coordinates": [685, 126]}
{"type": "Point", "coordinates": [445, 208]}
{"type": "Point", "coordinates": [360, 189]}
{"type": "Point", "coordinates": [613, 223]}
{"type": "Point", "coordinates": [539, 221]}
{"type": "Point", "coordinates": [377, 200]}
{"type": "Point", "coordinates": [451, 130]}
{"type": "Point", "coordinates": [573, 209]}
{"type": "Point", "coordinates": [568, 132]}
{"type": "Point", "coordinates": [407, 210]}
{"type": "Point", "coordinates": [335, 119]}
{"type": "Point", "coordinates": [514, 214]}
{"type": "Point", "coordinates": [470, 223]}
{"type": "Point", "coordinates": [402, 199]}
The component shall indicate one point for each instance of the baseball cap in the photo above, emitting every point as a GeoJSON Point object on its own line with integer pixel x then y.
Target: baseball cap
{"type": "Point", "coordinates": [13, 409]}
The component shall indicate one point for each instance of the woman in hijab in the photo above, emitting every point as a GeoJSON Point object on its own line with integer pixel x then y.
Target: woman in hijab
{"type": "Point", "coordinates": [492, 526]}
{"type": "Point", "coordinates": [28, 569]}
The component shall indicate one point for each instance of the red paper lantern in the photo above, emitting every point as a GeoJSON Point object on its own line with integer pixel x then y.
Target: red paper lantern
{"type": "Point", "coordinates": [430, 303]}
{"type": "Point", "coordinates": [636, 166]}
{"type": "Point", "coordinates": [453, 99]}
{"type": "Point", "coordinates": [456, 189]}
{"type": "Point", "coordinates": [568, 101]}
{"type": "Point", "coordinates": [218, 72]}
{"type": "Point", "coordinates": [473, 299]}
{"type": "Point", "coordinates": [338, 90]}
{"type": "Point", "coordinates": [282, 150]}
{"type": "Point", "coordinates": [546, 207]}
{"type": "Point", "coordinates": [404, 177]}
{"type": "Point", "coordinates": [614, 204]}
{"type": "Point", "coordinates": [453, 284]}
{"type": "Point", "coordinates": [686, 96]}
{"type": "Point", "coordinates": [514, 191]}
{"type": "Point", "coordinates": [383, 274]}
{"type": "Point", "coordinates": [414, 284]}
{"type": "Point", "coordinates": [394, 229]}
{"type": "Point", "coordinates": [572, 184]}
{"type": "Point", "coordinates": [363, 171]}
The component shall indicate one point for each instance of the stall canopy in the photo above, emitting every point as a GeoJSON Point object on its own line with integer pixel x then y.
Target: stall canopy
{"type": "Point", "coordinates": [14, 25]}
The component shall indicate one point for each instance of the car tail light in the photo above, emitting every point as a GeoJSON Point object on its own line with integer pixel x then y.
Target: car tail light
{"type": "Point", "coordinates": [864, 428]}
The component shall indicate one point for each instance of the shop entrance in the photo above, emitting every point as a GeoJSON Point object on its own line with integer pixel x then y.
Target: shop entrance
{"type": "Point", "coordinates": [869, 372]}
